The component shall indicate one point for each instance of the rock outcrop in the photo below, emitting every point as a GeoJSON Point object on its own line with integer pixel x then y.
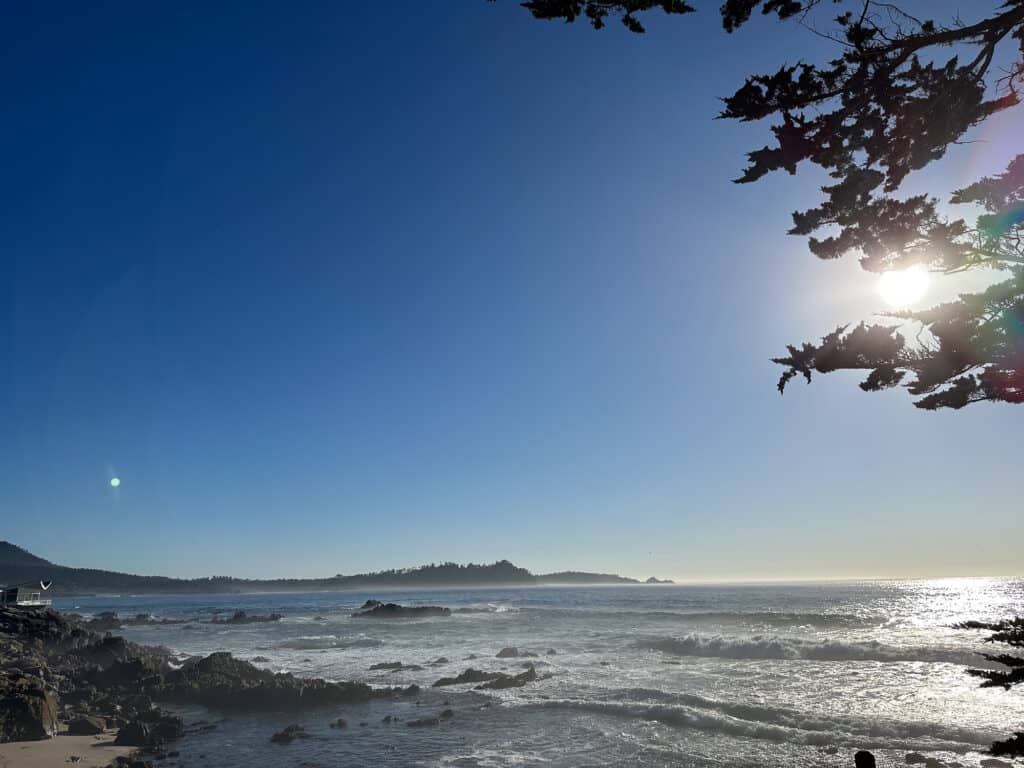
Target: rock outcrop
{"type": "Point", "coordinates": [375, 609]}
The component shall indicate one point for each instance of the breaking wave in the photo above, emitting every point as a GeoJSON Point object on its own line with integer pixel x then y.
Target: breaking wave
{"type": "Point", "coordinates": [772, 618]}
{"type": "Point", "coordinates": [324, 642]}
{"type": "Point", "coordinates": [779, 725]}
{"type": "Point", "coordinates": [767, 647]}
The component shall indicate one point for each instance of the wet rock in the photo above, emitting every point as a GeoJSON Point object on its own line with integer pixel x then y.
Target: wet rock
{"type": "Point", "coordinates": [339, 723]}
{"type": "Point", "coordinates": [386, 665]}
{"type": "Point", "coordinates": [241, 617]}
{"type": "Point", "coordinates": [991, 762]}
{"type": "Point", "coordinates": [424, 722]}
{"type": "Point", "coordinates": [510, 681]}
{"type": "Point", "coordinates": [439, 661]}
{"type": "Point", "coordinates": [914, 758]}
{"type": "Point", "coordinates": [446, 714]}
{"type": "Point", "coordinates": [85, 725]}
{"type": "Point", "coordinates": [220, 680]}
{"type": "Point", "coordinates": [508, 653]}
{"type": "Point", "coordinates": [863, 759]}
{"type": "Point", "coordinates": [469, 676]}
{"type": "Point", "coordinates": [135, 734]}
{"type": "Point", "coordinates": [552, 652]}
{"type": "Point", "coordinates": [289, 734]}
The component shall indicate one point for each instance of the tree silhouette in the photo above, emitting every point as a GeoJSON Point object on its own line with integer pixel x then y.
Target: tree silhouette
{"type": "Point", "coordinates": [1009, 632]}
{"type": "Point", "coordinates": [899, 93]}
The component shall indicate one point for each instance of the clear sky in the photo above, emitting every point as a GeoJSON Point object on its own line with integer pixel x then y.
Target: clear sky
{"type": "Point", "coordinates": [339, 287]}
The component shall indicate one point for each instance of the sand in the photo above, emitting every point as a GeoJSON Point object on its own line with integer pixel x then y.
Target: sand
{"type": "Point", "coordinates": [94, 751]}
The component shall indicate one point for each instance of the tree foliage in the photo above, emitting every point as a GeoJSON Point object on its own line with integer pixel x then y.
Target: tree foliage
{"type": "Point", "coordinates": [900, 91]}
{"type": "Point", "coordinates": [1008, 632]}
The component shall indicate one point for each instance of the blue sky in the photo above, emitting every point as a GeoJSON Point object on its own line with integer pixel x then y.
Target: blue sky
{"type": "Point", "coordinates": [337, 288]}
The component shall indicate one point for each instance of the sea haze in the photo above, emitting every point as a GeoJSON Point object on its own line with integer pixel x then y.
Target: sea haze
{"type": "Point", "coordinates": [797, 675]}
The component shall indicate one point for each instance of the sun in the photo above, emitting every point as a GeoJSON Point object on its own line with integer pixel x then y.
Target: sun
{"type": "Point", "coordinates": [115, 482]}
{"type": "Point", "coordinates": [901, 288]}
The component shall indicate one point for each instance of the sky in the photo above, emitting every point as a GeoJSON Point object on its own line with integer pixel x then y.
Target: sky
{"type": "Point", "coordinates": [333, 288]}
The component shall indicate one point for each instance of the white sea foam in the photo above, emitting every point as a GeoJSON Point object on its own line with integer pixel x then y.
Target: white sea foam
{"type": "Point", "coordinates": [768, 647]}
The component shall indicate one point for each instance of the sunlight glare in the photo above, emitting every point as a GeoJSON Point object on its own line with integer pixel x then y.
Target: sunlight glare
{"type": "Point", "coordinates": [901, 288]}
{"type": "Point", "coordinates": [115, 482]}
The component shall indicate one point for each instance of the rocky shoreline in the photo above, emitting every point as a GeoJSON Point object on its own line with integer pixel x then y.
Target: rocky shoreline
{"type": "Point", "coordinates": [55, 669]}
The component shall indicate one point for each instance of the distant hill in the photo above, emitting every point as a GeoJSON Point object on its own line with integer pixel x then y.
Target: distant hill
{"type": "Point", "coordinates": [17, 566]}
{"type": "Point", "coordinates": [582, 577]}
{"type": "Point", "coordinates": [16, 557]}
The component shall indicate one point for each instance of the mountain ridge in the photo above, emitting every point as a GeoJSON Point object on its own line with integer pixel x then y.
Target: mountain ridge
{"type": "Point", "coordinates": [18, 565]}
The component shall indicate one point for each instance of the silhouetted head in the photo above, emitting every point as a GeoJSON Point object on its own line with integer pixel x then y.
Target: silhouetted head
{"type": "Point", "coordinates": [864, 759]}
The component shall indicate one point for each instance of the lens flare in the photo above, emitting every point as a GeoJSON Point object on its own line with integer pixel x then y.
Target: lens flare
{"type": "Point", "coordinates": [115, 482]}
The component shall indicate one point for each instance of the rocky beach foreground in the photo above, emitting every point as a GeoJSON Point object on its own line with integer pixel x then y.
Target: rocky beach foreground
{"type": "Point", "coordinates": [60, 678]}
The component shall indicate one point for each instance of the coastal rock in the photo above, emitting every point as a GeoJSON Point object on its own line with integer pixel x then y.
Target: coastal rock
{"type": "Point", "coordinates": [241, 617]}
{"type": "Point", "coordinates": [424, 722]}
{"type": "Point", "coordinates": [914, 758]}
{"type": "Point", "coordinates": [991, 762]}
{"type": "Point", "coordinates": [86, 725]}
{"type": "Point", "coordinates": [105, 621]}
{"type": "Point", "coordinates": [289, 734]}
{"type": "Point", "coordinates": [378, 610]}
{"type": "Point", "coordinates": [339, 723]}
{"type": "Point", "coordinates": [135, 734]}
{"type": "Point", "coordinates": [223, 681]}
{"type": "Point", "coordinates": [510, 681]}
{"type": "Point", "coordinates": [469, 676]}
{"type": "Point", "coordinates": [508, 653]}
{"type": "Point", "coordinates": [28, 710]}
{"type": "Point", "coordinates": [386, 665]}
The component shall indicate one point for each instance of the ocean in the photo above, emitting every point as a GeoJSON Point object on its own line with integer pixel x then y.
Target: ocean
{"type": "Point", "coordinates": [695, 675]}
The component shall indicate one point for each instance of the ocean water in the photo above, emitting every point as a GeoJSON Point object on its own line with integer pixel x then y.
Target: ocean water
{"type": "Point", "coordinates": [755, 675]}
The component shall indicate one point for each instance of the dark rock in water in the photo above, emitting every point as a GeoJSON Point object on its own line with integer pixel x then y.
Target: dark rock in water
{"type": "Point", "coordinates": [991, 762]}
{"type": "Point", "coordinates": [439, 661]}
{"type": "Point", "coordinates": [289, 734]}
{"type": "Point", "coordinates": [469, 676]}
{"type": "Point", "coordinates": [446, 715]}
{"type": "Point", "coordinates": [510, 681]}
{"type": "Point", "coordinates": [471, 657]}
{"type": "Point", "coordinates": [220, 680]}
{"type": "Point", "coordinates": [135, 734]}
{"type": "Point", "coordinates": [379, 610]}
{"type": "Point", "coordinates": [508, 653]}
{"type": "Point", "coordinates": [28, 709]}
{"type": "Point", "coordinates": [863, 759]}
{"type": "Point", "coordinates": [408, 668]}
{"type": "Point", "coordinates": [386, 665]}
{"type": "Point", "coordinates": [339, 723]}
{"type": "Point", "coordinates": [552, 652]}
{"type": "Point", "coordinates": [423, 722]}
{"type": "Point", "coordinates": [259, 660]}
{"type": "Point", "coordinates": [163, 726]}
{"type": "Point", "coordinates": [914, 758]}
{"type": "Point", "coordinates": [241, 617]}
{"type": "Point", "coordinates": [86, 725]}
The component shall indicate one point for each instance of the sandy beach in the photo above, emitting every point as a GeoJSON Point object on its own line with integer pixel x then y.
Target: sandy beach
{"type": "Point", "coordinates": [94, 752]}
